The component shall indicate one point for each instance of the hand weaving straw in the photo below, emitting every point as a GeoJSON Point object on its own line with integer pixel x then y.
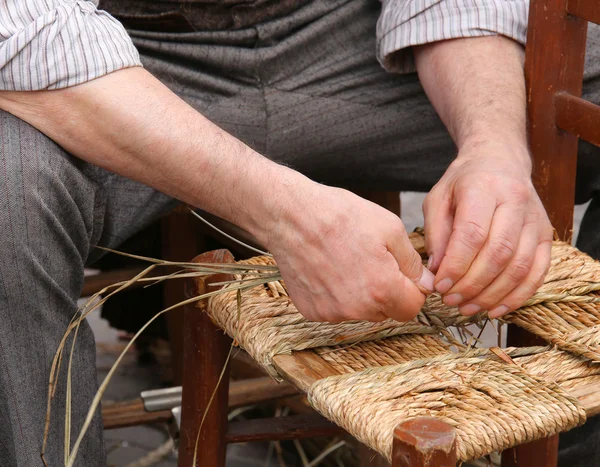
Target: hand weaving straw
{"type": "Point", "coordinates": [269, 323]}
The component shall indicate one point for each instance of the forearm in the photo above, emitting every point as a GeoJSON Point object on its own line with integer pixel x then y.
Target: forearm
{"type": "Point", "coordinates": [131, 124]}
{"type": "Point", "coordinates": [477, 86]}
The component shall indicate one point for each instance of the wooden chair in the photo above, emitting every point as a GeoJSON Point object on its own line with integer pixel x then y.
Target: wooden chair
{"type": "Point", "coordinates": [557, 118]}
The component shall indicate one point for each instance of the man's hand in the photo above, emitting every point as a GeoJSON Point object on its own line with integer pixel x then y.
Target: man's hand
{"type": "Point", "coordinates": [487, 231]}
{"type": "Point", "coordinates": [344, 258]}
{"type": "Point", "coordinates": [488, 235]}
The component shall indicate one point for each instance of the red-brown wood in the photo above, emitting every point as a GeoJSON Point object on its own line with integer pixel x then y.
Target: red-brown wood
{"type": "Point", "coordinates": [554, 63]}
{"type": "Point", "coordinates": [579, 117]}
{"type": "Point", "coordinates": [282, 428]}
{"type": "Point", "coordinates": [424, 442]}
{"type": "Point", "coordinates": [540, 453]}
{"type": "Point", "coordinates": [205, 353]}
{"type": "Point", "coordinates": [180, 242]}
{"type": "Point", "coordinates": [586, 9]}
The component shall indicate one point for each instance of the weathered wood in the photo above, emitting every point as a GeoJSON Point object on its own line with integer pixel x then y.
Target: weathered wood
{"type": "Point", "coordinates": [205, 353]}
{"type": "Point", "coordinates": [281, 428]}
{"type": "Point", "coordinates": [554, 63]}
{"type": "Point", "coordinates": [579, 117]}
{"type": "Point", "coordinates": [588, 395]}
{"type": "Point", "coordinates": [540, 453]}
{"type": "Point", "coordinates": [256, 390]}
{"type": "Point", "coordinates": [586, 9]}
{"type": "Point", "coordinates": [424, 442]}
{"type": "Point", "coordinates": [303, 368]}
{"type": "Point", "coordinates": [241, 393]}
{"type": "Point", "coordinates": [131, 413]}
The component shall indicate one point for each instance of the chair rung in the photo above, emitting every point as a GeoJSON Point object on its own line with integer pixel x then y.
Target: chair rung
{"type": "Point", "coordinates": [578, 116]}
{"type": "Point", "coordinates": [282, 428]}
{"type": "Point", "coordinates": [585, 9]}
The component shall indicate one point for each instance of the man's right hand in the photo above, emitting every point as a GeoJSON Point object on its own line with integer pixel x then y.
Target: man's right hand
{"type": "Point", "coordinates": [345, 258]}
{"type": "Point", "coordinates": [342, 257]}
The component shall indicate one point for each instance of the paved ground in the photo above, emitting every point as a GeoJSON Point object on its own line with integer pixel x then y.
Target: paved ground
{"type": "Point", "coordinates": [126, 446]}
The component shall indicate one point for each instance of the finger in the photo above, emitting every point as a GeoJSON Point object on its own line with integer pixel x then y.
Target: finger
{"type": "Point", "coordinates": [409, 261]}
{"type": "Point", "coordinates": [438, 227]}
{"type": "Point", "coordinates": [472, 221]}
{"type": "Point", "coordinates": [494, 256]}
{"type": "Point", "coordinates": [530, 285]}
{"type": "Point", "coordinates": [514, 274]}
{"type": "Point", "coordinates": [405, 301]}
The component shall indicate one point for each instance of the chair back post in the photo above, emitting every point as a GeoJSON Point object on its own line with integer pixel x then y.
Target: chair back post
{"type": "Point", "coordinates": [554, 62]}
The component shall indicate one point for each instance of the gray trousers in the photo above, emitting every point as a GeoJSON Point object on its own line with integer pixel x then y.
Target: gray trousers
{"type": "Point", "coordinates": [304, 90]}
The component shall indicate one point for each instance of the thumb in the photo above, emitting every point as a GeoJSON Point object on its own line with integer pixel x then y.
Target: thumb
{"type": "Point", "coordinates": [410, 262]}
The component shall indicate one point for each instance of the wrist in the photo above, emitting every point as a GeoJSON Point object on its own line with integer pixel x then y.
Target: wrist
{"type": "Point", "coordinates": [497, 147]}
{"type": "Point", "coordinates": [277, 203]}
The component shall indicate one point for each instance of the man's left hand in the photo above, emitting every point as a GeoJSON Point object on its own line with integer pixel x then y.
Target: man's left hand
{"type": "Point", "coordinates": [487, 233]}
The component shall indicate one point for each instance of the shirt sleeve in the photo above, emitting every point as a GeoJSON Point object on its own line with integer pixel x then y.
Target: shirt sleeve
{"type": "Point", "coordinates": [53, 44]}
{"type": "Point", "coordinates": [404, 23]}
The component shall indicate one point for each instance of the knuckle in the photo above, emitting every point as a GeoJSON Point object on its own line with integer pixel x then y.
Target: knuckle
{"type": "Point", "coordinates": [472, 234]}
{"type": "Point", "coordinates": [501, 251]}
{"type": "Point", "coordinates": [520, 193]}
{"type": "Point", "coordinates": [519, 269]}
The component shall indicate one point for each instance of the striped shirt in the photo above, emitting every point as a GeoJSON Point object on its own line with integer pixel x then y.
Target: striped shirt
{"type": "Point", "coordinates": [53, 44]}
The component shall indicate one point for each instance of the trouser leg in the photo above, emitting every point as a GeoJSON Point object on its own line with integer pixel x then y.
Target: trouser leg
{"type": "Point", "coordinates": [53, 209]}
{"type": "Point", "coordinates": [48, 201]}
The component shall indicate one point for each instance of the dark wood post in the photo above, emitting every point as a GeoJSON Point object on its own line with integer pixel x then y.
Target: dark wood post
{"type": "Point", "coordinates": [205, 350]}
{"type": "Point", "coordinates": [554, 63]}
{"type": "Point", "coordinates": [424, 442]}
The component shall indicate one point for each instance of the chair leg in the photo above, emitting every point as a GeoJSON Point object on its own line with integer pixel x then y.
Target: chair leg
{"type": "Point", "coordinates": [540, 453]}
{"type": "Point", "coordinates": [424, 442]}
{"type": "Point", "coordinates": [205, 356]}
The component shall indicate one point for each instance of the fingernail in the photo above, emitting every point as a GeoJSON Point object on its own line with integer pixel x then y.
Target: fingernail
{"type": "Point", "coordinates": [453, 299]}
{"type": "Point", "coordinates": [470, 309]}
{"type": "Point", "coordinates": [430, 262]}
{"type": "Point", "coordinates": [427, 279]}
{"type": "Point", "coordinates": [444, 285]}
{"type": "Point", "coordinates": [498, 311]}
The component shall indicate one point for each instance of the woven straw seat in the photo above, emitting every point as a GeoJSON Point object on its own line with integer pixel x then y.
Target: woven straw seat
{"type": "Point", "coordinates": [369, 377]}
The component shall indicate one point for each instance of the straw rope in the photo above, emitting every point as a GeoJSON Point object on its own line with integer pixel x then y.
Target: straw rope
{"type": "Point", "coordinates": [381, 352]}
{"type": "Point", "coordinates": [269, 324]}
{"type": "Point", "coordinates": [492, 405]}
{"type": "Point", "coordinates": [394, 371]}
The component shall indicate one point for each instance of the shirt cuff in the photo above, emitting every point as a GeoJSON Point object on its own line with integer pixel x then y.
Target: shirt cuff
{"type": "Point", "coordinates": [403, 24]}
{"type": "Point", "coordinates": [60, 43]}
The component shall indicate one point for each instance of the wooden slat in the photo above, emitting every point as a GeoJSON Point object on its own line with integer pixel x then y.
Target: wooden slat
{"type": "Point", "coordinates": [589, 396]}
{"type": "Point", "coordinates": [131, 413]}
{"type": "Point", "coordinates": [585, 9]}
{"type": "Point", "coordinates": [303, 368]}
{"type": "Point", "coordinates": [579, 117]}
{"type": "Point", "coordinates": [256, 390]}
{"type": "Point", "coordinates": [281, 428]}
